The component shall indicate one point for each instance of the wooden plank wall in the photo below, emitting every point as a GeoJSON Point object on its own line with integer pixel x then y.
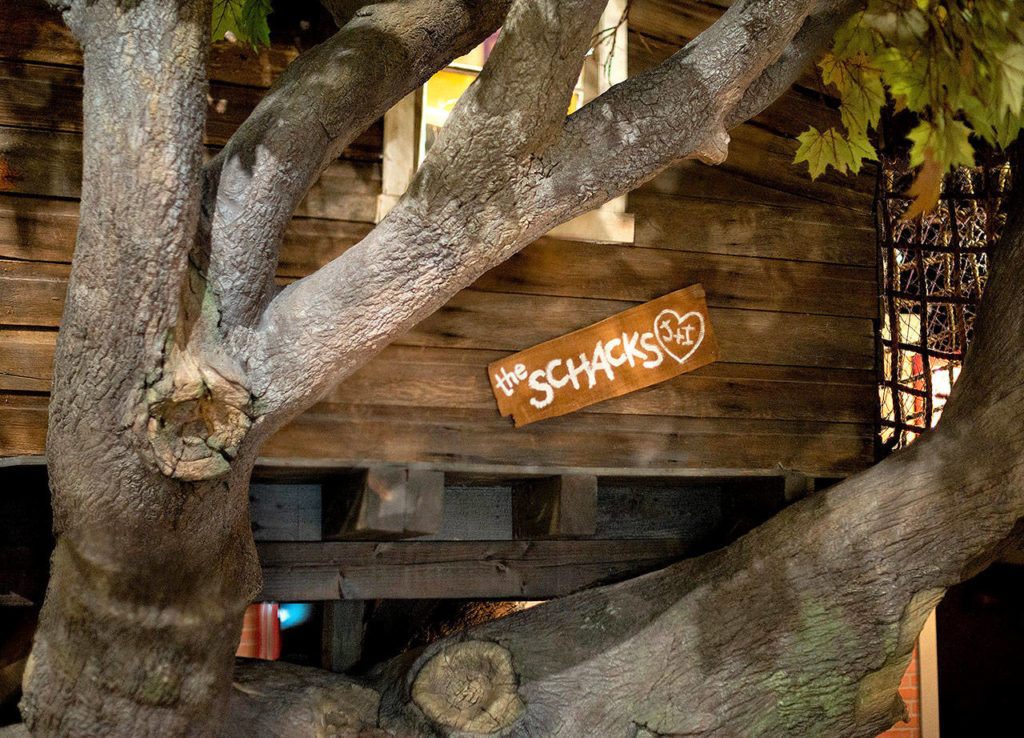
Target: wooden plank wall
{"type": "Point", "coordinates": [788, 266]}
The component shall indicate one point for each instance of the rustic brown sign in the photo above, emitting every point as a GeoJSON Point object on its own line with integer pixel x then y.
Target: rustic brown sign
{"type": "Point", "coordinates": [636, 348]}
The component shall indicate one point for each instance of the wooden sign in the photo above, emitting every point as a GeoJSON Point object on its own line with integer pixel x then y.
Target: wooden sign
{"type": "Point", "coordinates": [636, 348]}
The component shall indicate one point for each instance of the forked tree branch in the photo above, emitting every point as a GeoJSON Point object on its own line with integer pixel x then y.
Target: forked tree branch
{"type": "Point", "coordinates": [324, 99]}
{"type": "Point", "coordinates": [501, 175]}
{"type": "Point", "coordinates": [467, 203]}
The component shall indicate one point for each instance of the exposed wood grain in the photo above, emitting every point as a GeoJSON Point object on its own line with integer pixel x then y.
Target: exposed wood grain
{"type": "Point", "coordinates": [575, 269]}
{"type": "Point", "coordinates": [37, 229]}
{"type": "Point", "coordinates": [672, 21]}
{"type": "Point", "coordinates": [765, 158]}
{"type": "Point", "coordinates": [43, 229]}
{"type": "Point", "coordinates": [49, 97]}
{"type": "Point", "coordinates": [344, 434]}
{"type": "Point", "coordinates": [404, 376]}
{"type": "Point", "coordinates": [33, 31]}
{"type": "Point", "coordinates": [813, 232]}
{"type": "Point", "coordinates": [341, 640]}
{"type": "Point", "coordinates": [452, 569]}
{"type": "Point", "coordinates": [26, 360]}
{"type": "Point", "coordinates": [49, 164]}
{"type": "Point", "coordinates": [487, 320]}
{"type": "Point", "coordinates": [341, 435]}
{"type": "Point", "coordinates": [285, 512]}
{"type": "Point", "coordinates": [22, 425]}
{"type": "Point", "coordinates": [33, 296]}
{"type": "Point", "coordinates": [693, 179]}
{"type": "Point", "coordinates": [564, 506]}
{"type": "Point", "coordinates": [679, 231]}
{"type": "Point", "coordinates": [32, 293]}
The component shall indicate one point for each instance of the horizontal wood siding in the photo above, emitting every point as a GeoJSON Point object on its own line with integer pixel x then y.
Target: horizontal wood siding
{"type": "Point", "coordinates": [788, 266]}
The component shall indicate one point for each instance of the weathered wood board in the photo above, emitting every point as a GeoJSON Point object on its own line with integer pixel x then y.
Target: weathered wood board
{"type": "Point", "coordinates": [644, 345]}
{"type": "Point", "coordinates": [788, 266]}
{"type": "Point", "coordinates": [457, 569]}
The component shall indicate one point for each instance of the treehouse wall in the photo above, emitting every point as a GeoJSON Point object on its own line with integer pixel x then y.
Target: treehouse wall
{"type": "Point", "coordinates": [788, 266]}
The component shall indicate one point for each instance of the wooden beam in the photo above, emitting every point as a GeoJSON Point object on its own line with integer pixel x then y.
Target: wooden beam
{"type": "Point", "coordinates": [555, 507]}
{"type": "Point", "coordinates": [364, 570]}
{"type": "Point", "coordinates": [285, 512]}
{"type": "Point", "coordinates": [383, 501]}
{"type": "Point", "coordinates": [344, 624]}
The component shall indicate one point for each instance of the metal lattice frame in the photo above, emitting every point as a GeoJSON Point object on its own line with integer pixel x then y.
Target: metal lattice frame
{"type": "Point", "coordinates": [933, 271]}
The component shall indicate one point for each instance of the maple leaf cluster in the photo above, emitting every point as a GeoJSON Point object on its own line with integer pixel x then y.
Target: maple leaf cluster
{"type": "Point", "coordinates": [957, 65]}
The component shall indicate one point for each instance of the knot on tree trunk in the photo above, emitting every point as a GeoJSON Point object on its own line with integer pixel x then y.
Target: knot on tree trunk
{"type": "Point", "coordinates": [195, 414]}
{"type": "Point", "coordinates": [470, 686]}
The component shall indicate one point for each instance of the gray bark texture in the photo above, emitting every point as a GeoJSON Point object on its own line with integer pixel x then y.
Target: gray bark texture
{"type": "Point", "coordinates": [177, 358]}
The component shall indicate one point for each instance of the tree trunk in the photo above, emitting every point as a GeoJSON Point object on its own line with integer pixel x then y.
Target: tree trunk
{"type": "Point", "coordinates": [151, 572]}
{"type": "Point", "coordinates": [143, 614]}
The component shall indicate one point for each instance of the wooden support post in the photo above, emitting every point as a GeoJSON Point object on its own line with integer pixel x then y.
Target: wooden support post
{"type": "Point", "coordinates": [797, 485]}
{"type": "Point", "coordinates": [344, 624]}
{"type": "Point", "coordinates": [555, 507]}
{"type": "Point", "coordinates": [383, 502]}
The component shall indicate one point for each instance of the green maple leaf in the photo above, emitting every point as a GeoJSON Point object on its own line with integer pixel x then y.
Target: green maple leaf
{"type": "Point", "coordinates": [979, 116]}
{"type": "Point", "coordinates": [1007, 127]}
{"type": "Point", "coordinates": [245, 20]}
{"type": "Point", "coordinates": [254, 22]}
{"type": "Point", "coordinates": [225, 19]}
{"type": "Point", "coordinates": [860, 149]}
{"type": "Point", "coordinates": [855, 37]}
{"type": "Point", "coordinates": [1010, 70]}
{"type": "Point", "coordinates": [907, 77]}
{"type": "Point", "coordinates": [864, 98]}
{"type": "Point", "coordinates": [823, 149]}
{"type": "Point", "coordinates": [835, 72]}
{"type": "Point", "coordinates": [945, 141]}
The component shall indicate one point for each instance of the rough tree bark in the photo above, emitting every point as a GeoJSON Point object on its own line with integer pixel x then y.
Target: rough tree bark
{"type": "Point", "coordinates": [176, 360]}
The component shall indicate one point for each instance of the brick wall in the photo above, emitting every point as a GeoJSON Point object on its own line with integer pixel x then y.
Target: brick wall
{"type": "Point", "coordinates": [910, 691]}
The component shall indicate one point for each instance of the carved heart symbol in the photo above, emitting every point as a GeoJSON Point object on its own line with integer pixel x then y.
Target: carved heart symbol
{"type": "Point", "coordinates": [676, 332]}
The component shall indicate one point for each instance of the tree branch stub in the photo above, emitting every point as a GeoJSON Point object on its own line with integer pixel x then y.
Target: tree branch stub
{"type": "Point", "coordinates": [194, 416]}
{"type": "Point", "coordinates": [470, 686]}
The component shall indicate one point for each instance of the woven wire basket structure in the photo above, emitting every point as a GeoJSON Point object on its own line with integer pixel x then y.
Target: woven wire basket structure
{"type": "Point", "coordinates": [933, 269]}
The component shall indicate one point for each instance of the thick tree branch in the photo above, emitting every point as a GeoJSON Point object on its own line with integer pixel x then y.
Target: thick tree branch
{"type": "Point", "coordinates": [809, 43]}
{"type": "Point", "coordinates": [323, 100]}
{"type": "Point", "coordinates": [684, 107]}
{"type": "Point", "coordinates": [144, 112]}
{"type": "Point", "coordinates": [134, 622]}
{"type": "Point", "coordinates": [501, 175]}
{"type": "Point", "coordinates": [460, 211]}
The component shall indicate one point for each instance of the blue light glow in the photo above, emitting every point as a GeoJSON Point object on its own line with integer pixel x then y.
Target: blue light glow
{"type": "Point", "coordinates": [291, 614]}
